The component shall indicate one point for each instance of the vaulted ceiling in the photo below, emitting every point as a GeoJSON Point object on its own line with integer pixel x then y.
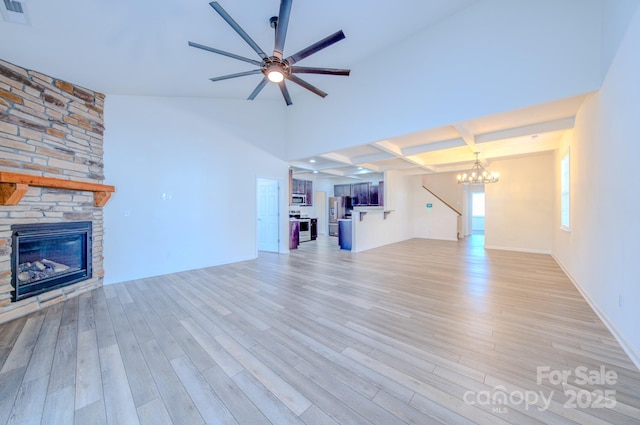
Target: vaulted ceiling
{"type": "Point", "coordinates": [140, 48]}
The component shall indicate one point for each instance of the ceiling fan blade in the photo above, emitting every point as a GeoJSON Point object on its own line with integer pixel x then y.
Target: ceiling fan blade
{"type": "Point", "coordinates": [328, 71]}
{"type": "Point", "coordinates": [258, 89]}
{"type": "Point", "coordinates": [239, 74]}
{"type": "Point", "coordinates": [281, 28]}
{"type": "Point", "coordinates": [222, 52]}
{"type": "Point", "coordinates": [216, 6]}
{"type": "Point", "coordinates": [316, 47]}
{"type": "Point", "coordinates": [306, 85]}
{"type": "Point", "coordinates": [285, 93]}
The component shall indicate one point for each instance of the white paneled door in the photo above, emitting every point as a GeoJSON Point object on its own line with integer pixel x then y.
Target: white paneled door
{"type": "Point", "coordinates": [268, 215]}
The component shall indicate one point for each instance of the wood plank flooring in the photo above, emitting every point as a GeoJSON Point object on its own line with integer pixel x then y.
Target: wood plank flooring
{"type": "Point", "coordinates": [419, 332]}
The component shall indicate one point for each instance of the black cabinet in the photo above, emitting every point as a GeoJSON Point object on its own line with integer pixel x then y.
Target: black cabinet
{"type": "Point", "coordinates": [314, 229]}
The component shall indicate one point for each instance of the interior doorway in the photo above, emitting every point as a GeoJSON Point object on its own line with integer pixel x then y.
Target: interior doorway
{"type": "Point", "coordinates": [477, 213]}
{"type": "Point", "coordinates": [473, 212]}
{"type": "Point", "coordinates": [268, 215]}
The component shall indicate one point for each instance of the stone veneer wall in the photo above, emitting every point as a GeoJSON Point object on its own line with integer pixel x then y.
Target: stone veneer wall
{"type": "Point", "coordinates": [50, 128]}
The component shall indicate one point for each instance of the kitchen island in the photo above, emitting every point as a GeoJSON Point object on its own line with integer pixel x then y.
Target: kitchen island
{"type": "Point", "coordinates": [345, 233]}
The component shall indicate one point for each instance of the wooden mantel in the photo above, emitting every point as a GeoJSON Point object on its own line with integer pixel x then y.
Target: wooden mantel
{"type": "Point", "coordinates": [14, 186]}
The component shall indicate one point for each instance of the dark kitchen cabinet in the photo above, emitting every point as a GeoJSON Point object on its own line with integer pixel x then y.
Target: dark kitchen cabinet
{"type": "Point", "coordinates": [294, 234]}
{"type": "Point", "coordinates": [342, 190]}
{"type": "Point", "coordinates": [298, 186]}
{"type": "Point", "coordinates": [373, 195]}
{"type": "Point", "coordinates": [314, 229]}
{"type": "Point", "coordinates": [308, 190]}
{"type": "Point", "coordinates": [303, 187]}
{"type": "Point", "coordinates": [360, 193]}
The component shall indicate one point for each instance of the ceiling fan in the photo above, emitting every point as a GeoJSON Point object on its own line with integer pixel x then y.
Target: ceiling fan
{"type": "Point", "coordinates": [276, 68]}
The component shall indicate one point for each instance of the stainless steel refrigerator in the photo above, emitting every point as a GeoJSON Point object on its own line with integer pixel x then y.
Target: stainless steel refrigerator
{"type": "Point", "coordinates": [339, 208]}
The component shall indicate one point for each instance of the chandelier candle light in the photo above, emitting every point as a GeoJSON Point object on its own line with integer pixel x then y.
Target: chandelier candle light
{"type": "Point", "coordinates": [478, 175]}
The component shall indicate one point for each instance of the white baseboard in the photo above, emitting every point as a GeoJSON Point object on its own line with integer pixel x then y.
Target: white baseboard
{"type": "Point", "coordinates": [628, 348]}
{"type": "Point", "coordinates": [508, 248]}
{"type": "Point", "coordinates": [440, 239]}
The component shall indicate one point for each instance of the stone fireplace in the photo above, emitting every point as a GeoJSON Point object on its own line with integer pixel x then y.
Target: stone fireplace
{"type": "Point", "coordinates": [51, 170]}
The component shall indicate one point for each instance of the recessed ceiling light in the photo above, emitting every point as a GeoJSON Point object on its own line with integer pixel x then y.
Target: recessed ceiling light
{"type": "Point", "coordinates": [315, 171]}
{"type": "Point", "coordinates": [312, 161]}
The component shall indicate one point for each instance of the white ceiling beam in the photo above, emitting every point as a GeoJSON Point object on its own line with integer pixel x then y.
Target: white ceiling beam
{"type": "Point", "coordinates": [359, 160]}
{"type": "Point", "coordinates": [469, 138]}
{"type": "Point", "coordinates": [334, 156]}
{"type": "Point", "coordinates": [435, 146]}
{"type": "Point", "coordinates": [388, 147]}
{"type": "Point", "coordinates": [334, 172]}
{"type": "Point", "coordinates": [466, 134]}
{"type": "Point", "coordinates": [303, 165]}
{"type": "Point", "coordinates": [313, 166]}
{"type": "Point", "coordinates": [368, 166]}
{"type": "Point", "coordinates": [527, 130]}
{"type": "Point", "coordinates": [394, 150]}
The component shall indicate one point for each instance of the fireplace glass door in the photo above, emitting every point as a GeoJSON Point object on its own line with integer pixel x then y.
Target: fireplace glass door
{"type": "Point", "coordinates": [49, 256]}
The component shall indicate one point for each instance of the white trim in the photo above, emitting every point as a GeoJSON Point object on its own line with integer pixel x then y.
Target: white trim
{"type": "Point", "coordinates": [508, 248]}
{"type": "Point", "coordinates": [628, 348]}
{"type": "Point", "coordinates": [440, 239]}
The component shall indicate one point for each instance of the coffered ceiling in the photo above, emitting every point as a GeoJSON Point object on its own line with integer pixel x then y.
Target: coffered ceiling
{"type": "Point", "coordinates": [452, 148]}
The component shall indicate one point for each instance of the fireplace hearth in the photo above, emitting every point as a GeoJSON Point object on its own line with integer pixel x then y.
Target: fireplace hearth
{"type": "Point", "coordinates": [47, 256]}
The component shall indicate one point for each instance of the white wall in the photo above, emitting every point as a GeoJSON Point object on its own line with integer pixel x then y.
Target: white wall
{"type": "Point", "coordinates": [601, 253]}
{"type": "Point", "coordinates": [374, 230]}
{"type": "Point", "coordinates": [519, 208]}
{"type": "Point", "coordinates": [446, 186]}
{"type": "Point", "coordinates": [494, 56]}
{"type": "Point", "coordinates": [185, 174]}
{"type": "Point", "coordinates": [437, 222]}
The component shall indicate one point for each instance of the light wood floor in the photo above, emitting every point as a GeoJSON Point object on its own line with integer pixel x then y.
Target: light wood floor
{"type": "Point", "coordinates": [420, 332]}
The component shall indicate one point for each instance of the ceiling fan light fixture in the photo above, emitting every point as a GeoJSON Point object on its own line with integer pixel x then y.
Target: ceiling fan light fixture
{"type": "Point", "coordinates": [275, 75]}
{"type": "Point", "coordinates": [275, 68]}
{"type": "Point", "coordinates": [275, 72]}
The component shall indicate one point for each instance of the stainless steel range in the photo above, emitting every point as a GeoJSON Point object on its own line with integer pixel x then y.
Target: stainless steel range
{"type": "Point", "coordinates": [305, 225]}
{"type": "Point", "coordinates": [305, 229]}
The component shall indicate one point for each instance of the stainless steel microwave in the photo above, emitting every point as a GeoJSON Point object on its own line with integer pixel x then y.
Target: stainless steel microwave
{"type": "Point", "coordinates": [298, 199]}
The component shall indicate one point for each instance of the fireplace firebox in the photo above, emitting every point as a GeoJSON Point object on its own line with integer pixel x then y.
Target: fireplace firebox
{"type": "Point", "coordinates": [46, 256]}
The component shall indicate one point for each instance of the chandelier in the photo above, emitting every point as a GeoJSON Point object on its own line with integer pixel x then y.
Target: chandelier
{"type": "Point", "coordinates": [478, 175]}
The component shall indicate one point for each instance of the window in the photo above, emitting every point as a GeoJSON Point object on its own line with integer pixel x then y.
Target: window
{"type": "Point", "coordinates": [565, 197]}
{"type": "Point", "coordinates": [477, 204]}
